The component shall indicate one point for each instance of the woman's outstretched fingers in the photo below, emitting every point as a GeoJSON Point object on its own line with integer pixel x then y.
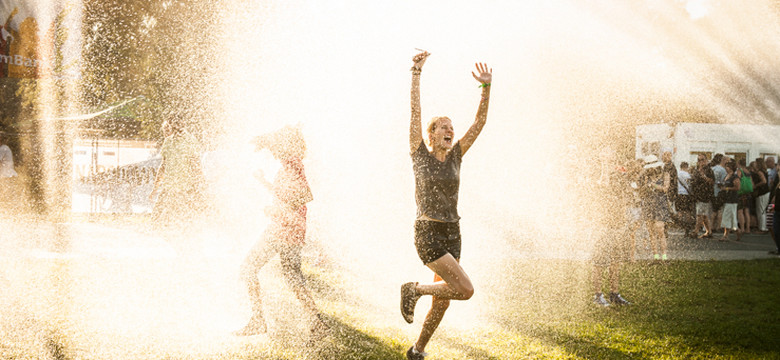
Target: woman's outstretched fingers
{"type": "Point", "coordinates": [485, 74]}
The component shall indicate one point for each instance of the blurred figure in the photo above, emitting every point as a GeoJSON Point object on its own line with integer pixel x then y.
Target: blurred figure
{"type": "Point", "coordinates": [772, 222]}
{"type": "Point", "coordinates": [771, 170]}
{"type": "Point", "coordinates": [719, 170]}
{"type": "Point", "coordinates": [669, 168]}
{"type": "Point", "coordinates": [179, 179]}
{"type": "Point", "coordinates": [684, 202]}
{"type": "Point", "coordinates": [8, 175]}
{"type": "Point", "coordinates": [437, 228]}
{"type": "Point", "coordinates": [761, 191]}
{"type": "Point", "coordinates": [611, 249]}
{"type": "Point", "coordinates": [730, 196]}
{"type": "Point", "coordinates": [634, 211]}
{"type": "Point", "coordinates": [286, 233]}
{"type": "Point", "coordinates": [744, 197]}
{"type": "Point", "coordinates": [702, 184]}
{"type": "Point", "coordinates": [655, 204]}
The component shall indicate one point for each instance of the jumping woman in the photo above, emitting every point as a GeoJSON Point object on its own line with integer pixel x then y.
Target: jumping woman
{"type": "Point", "coordinates": [436, 230]}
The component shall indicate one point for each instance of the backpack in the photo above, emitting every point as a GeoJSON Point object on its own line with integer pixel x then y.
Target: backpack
{"type": "Point", "coordinates": [745, 183]}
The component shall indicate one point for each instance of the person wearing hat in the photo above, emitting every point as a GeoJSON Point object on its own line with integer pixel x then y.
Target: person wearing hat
{"type": "Point", "coordinates": [655, 204]}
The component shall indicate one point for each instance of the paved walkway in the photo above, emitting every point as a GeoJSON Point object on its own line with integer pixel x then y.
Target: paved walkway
{"type": "Point", "coordinates": [752, 246]}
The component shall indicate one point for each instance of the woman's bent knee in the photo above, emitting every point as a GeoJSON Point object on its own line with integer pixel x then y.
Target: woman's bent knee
{"type": "Point", "coordinates": [466, 292]}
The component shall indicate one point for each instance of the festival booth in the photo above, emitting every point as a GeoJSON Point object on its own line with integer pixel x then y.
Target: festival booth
{"type": "Point", "coordinates": [687, 140]}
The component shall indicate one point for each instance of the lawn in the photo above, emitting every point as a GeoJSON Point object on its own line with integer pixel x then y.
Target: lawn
{"type": "Point", "coordinates": [681, 310]}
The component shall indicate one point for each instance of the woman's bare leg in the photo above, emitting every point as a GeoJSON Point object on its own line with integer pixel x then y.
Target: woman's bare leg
{"type": "Point", "coordinates": [257, 258]}
{"type": "Point", "coordinates": [652, 232]}
{"type": "Point", "coordinates": [661, 235]}
{"type": "Point", "coordinates": [432, 320]}
{"type": "Point", "coordinates": [456, 284]}
{"type": "Point", "coordinates": [450, 282]}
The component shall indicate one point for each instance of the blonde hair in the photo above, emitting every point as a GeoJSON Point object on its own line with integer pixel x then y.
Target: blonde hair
{"type": "Point", "coordinates": [432, 124]}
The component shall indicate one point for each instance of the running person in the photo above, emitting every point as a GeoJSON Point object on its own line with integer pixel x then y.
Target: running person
{"type": "Point", "coordinates": [286, 233]}
{"type": "Point", "coordinates": [437, 233]}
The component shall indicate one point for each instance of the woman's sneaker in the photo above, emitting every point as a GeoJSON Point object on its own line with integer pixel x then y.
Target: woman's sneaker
{"type": "Point", "coordinates": [616, 299]}
{"type": "Point", "coordinates": [409, 297]}
{"type": "Point", "coordinates": [599, 300]}
{"type": "Point", "coordinates": [413, 354]}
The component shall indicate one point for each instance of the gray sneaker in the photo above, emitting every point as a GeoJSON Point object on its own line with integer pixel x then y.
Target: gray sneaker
{"type": "Point", "coordinates": [616, 299]}
{"type": "Point", "coordinates": [409, 297]}
{"type": "Point", "coordinates": [412, 354]}
{"type": "Point", "coordinates": [599, 300]}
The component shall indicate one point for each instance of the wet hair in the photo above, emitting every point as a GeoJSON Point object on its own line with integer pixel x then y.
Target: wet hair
{"type": "Point", "coordinates": [732, 165]}
{"type": "Point", "coordinates": [435, 122]}
{"type": "Point", "coordinates": [716, 159]}
{"type": "Point", "coordinates": [760, 164]}
{"type": "Point", "coordinates": [683, 165]}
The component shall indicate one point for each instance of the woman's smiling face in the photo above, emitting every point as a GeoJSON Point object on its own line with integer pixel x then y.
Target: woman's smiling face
{"type": "Point", "coordinates": [442, 135]}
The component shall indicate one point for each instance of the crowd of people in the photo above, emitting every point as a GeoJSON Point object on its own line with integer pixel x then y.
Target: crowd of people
{"type": "Point", "coordinates": [720, 196]}
{"type": "Point", "coordinates": [724, 195]}
{"type": "Point", "coordinates": [728, 196]}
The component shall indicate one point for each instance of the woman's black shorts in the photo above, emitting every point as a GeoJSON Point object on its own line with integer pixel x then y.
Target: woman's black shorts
{"type": "Point", "coordinates": [434, 239]}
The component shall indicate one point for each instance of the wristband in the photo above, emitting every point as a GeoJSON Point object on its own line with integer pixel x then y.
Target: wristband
{"type": "Point", "coordinates": [484, 85]}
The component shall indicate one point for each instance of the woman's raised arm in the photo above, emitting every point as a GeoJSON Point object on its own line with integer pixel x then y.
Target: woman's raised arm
{"type": "Point", "coordinates": [415, 126]}
{"type": "Point", "coordinates": [485, 77]}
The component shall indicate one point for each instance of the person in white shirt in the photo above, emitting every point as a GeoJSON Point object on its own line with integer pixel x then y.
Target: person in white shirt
{"type": "Point", "coordinates": [6, 160]}
{"type": "Point", "coordinates": [8, 174]}
{"type": "Point", "coordinates": [684, 202]}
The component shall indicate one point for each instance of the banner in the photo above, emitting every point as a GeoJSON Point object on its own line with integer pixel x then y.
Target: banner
{"type": "Point", "coordinates": [28, 37]}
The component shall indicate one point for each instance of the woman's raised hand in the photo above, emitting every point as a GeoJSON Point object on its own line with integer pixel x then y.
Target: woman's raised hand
{"type": "Point", "coordinates": [419, 60]}
{"type": "Point", "coordinates": [485, 74]}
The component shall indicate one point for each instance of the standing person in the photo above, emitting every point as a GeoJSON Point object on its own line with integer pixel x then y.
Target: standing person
{"type": "Point", "coordinates": [684, 202]}
{"type": "Point", "coordinates": [669, 167]}
{"type": "Point", "coordinates": [634, 212]}
{"type": "Point", "coordinates": [719, 170]}
{"type": "Point", "coordinates": [179, 179]}
{"type": "Point", "coordinates": [702, 183]}
{"type": "Point", "coordinates": [611, 248]}
{"type": "Point", "coordinates": [655, 205]}
{"type": "Point", "coordinates": [286, 233]}
{"type": "Point", "coordinates": [437, 231]}
{"type": "Point", "coordinates": [744, 197]}
{"type": "Point", "coordinates": [761, 189]}
{"type": "Point", "coordinates": [730, 196]}
{"type": "Point", "coordinates": [8, 174]}
{"type": "Point", "coordinates": [770, 170]}
{"type": "Point", "coordinates": [774, 228]}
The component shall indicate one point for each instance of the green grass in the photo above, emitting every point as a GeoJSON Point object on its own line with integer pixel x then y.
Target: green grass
{"type": "Point", "coordinates": [539, 309]}
{"type": "Point", "coordinates": [686, 310]}
{"type": "Point", "coordinates": [683, 310]}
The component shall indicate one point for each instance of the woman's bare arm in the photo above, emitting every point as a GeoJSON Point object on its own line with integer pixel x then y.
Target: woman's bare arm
{"type": "Point", "coordinates": [415, 126]}
{"type": "Point", "coordinates": [485, 77]}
